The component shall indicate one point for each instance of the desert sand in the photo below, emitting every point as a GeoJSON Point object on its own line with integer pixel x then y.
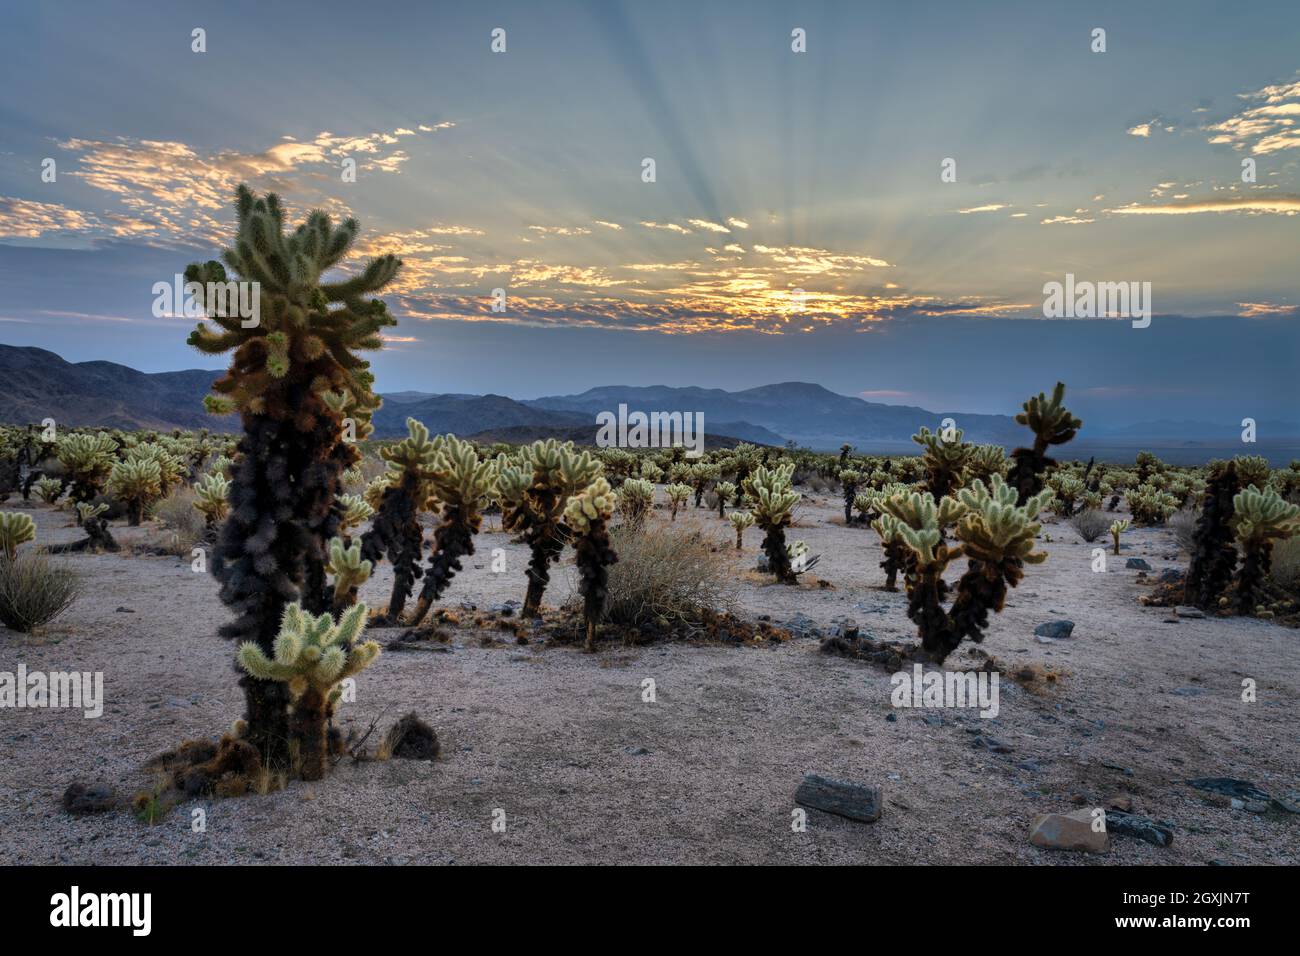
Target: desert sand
{"type": "Point", "coordinates": [585, 771]}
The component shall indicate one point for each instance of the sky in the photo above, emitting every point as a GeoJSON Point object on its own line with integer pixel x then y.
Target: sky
{"type": "Point", "coordinates": [798, 226]}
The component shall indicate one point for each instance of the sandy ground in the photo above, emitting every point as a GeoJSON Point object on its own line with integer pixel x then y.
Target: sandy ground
{"type": "Point", "coordinates": [585, 771]}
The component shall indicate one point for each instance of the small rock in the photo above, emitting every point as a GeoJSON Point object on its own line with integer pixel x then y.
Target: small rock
{"type": "Point", "coordinates": [1188, 691]}
{"type": "Point", "coordinates": [125, 610]}
{"type": "Point", "coordinates": [1137, 564]}
{"type": "Point", "coordinates": [1192, 613]}
{"type": "Point", "coordinates": [1056, 630]}
{"type": "Point", "coordinates": [1171, 576]}
{"type": "Point", "coordinates": [1158, 832]}
{"type": "Point", "coordinates": [1069, 831]}
{"type": "Point", "coordinates": [636, 751]}
{"type": "Point", "coordinates": [843, 799]}
{"type": "Point", "coordinates": [81, 798]}
{"type": "Point", "coordinates": [891, 717]}
{"type": "Point", "coordinates": [992, 745]}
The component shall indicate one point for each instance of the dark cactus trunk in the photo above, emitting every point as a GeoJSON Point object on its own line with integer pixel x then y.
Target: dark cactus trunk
{"type": "Point", "coordinates": [1214, 556]}
{"type": "Point", "coordinates": [594, 555]}
{"type": "Point", "coordinates": [777, 558]}
{"type": "Point", "coordinates": [1255, 565]}
{"type": "Point", "coordinates": [396, 532]}
{"type": "Point", "coordinates": [453, 540]}
{"type": "Point", "coordinates": [309, 725]}
{"type": "Point", "coordinates": [134, 512]}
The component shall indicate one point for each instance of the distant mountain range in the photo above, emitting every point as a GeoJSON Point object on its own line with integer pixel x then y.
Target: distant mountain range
{"type": "Point", "coordinates": [36, 384]}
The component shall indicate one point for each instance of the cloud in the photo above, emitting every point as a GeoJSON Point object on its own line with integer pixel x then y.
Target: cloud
{"type": "Point", "coordinates": [1141, 129]}
{"type": "Point", "coordinates": [561, 230]}
{"type": "Point", "coordinates": [1264, 310]}
{"type": "Point", "coordinates": [1279, 204]}
{"type": "Point", "coordinates": [737, 223]}
{"type": "Point", "coordinates": [1066, 220]}
{"type": "Point", "coordinates": [708, 226]}
{"type": "Point", "coordinates": [609, 225]}
{"type": "Point", "coordinates": [1271, 125]}
{"type": "Point", "coordinates": [991, 207]}
{"type": "Point", "coordinates": [29, 219]}
{"type": "Point", "coordinates": [667, 227]}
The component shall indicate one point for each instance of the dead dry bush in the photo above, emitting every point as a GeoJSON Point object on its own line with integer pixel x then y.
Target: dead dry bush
{"type": "Point", "coordinates": [1183, 525]}
{"type": "Point", "coordinates": [1091, 524]}
{"type": "Point", "coordinates": [668, 574]}
{"type": "Point", "coordinates": [34, 590]}
{"type": "Point", "coordinates": [182, 523]}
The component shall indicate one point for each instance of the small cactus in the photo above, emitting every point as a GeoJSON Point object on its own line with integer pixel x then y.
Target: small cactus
{"type": "Point", "coordinates": [211, 498]}
{"type": "Point", "coordinates": [587, 514]}
{"type": "Point", "coordinates": [1116, 529]}
{"type": "Point", "coordinates": [137, 482]}
{"type": "Point", "coordinates": [677, 495]}
{"type": "Point", "coordinates": [15, 529]}
{"type": "Point", "coordinates": [48, 489]}
{"type": "Point", "coordinates": [725, 490]}
{"type": "Point", "coordinates": [635, 499]}
{"type": "Point", "coordinates": [313, 655]}
{"type": "Point", "coordinates": [350, 572]}
{"type": "Point", "coordinates": [774, 501]}
{"type": "Point", "coordinates": [355, 511]}
{"type": "Point", "coordinates": [1260, 518]}
{"type": "Point", "coordinates": [740, 520]}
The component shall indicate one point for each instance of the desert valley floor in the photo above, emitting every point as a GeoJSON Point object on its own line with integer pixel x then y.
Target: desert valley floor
{"type": "Point", "coordinates": [585, 771]}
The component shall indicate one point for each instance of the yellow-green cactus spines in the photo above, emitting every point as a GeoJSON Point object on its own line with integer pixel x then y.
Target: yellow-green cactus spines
{"type": "Point", "coordinates": [587, 516]}
{"type": "Point", "coordinates": [15, 529]}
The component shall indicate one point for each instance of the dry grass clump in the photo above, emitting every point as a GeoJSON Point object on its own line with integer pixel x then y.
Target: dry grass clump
{"type": "Point", "coordinates": [1285, 572]}
{"type": "Point", "coordinates": [1183, 524]}
{"type": "Point", "coordinates": [183, 526]}
{"type": "Point", "coordinates": [34, 590]}
{"type": "Point", "coordinates": [668, 575]}
{"type": "Point", "coordinates": [1091, 524]}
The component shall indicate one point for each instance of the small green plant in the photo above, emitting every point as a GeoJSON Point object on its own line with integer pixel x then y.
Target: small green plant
{"type": "Point", "coordinates": [34, 590]}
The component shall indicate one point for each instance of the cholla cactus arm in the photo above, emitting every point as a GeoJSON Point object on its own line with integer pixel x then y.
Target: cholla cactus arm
{"type": "Point", "coordinates": [15, 529]}
{"type": "Point", "coordinates": [355, 511]}
{"type": "Point", "coordinates": [87, 512]}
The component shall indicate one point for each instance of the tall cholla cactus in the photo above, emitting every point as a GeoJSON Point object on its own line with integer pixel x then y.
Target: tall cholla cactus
{"type": "Point", "coordinates": [740, 520]}
{"type": "Point", "coordinates": [171, 469]}
{"type": "Point", "coordinates": [210, 498]}
{"type": "Point", "coordinates": [15, 529]}
{"type": "Point", "coordinates": [997, 538]}
{"type": "Point", "coordinates": [1214, 557]}
{"type": "Point", "coordinates": [678, 493]}
{"type": "Point", "coordinates": [587, 515]}
{"type": "Point", "coordinates": [945, 458]}
{"type": "Point", "coordinates": [87, 461]}
{"type": "Point", "coordinates": [302, 392]}
{"type": "Point", "coordinates": [350, 571]}
{"type": "Point", "coordinates": [534, 489]}
{"type": "Point", "coordinates": [1261, 517]}
{"type": "Point", "coordinates": [702, 473]}
{"type": "Point", "coordinates": [396, 532]}
{"type": "Point", "coordinates": [1052, 424]}
{"type": "Point", "coordinates": [1116, 529]}
{"type": "Point", "coordinates": [774, 500]}
{"type": "Point", "coordinates": [463, 483]}
{"type": "Point", "coordinates": [312, 656]}
{"type": "Point", "coordinates": [137, 482]}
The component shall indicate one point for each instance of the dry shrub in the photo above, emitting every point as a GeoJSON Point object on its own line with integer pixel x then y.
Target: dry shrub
{"type": "Point", "coordinates": [1091, 524]}
{"type": "Point", "coordinates": [183, 525]}
{"type": "Point", "coordinates": [34, 590]}
{"type": "Point", "coordinates": [1286, 565]}
{"type": "Point", "coordinates": [1183, 524]}
{"type": "Point", "coordinates": [667, 574]}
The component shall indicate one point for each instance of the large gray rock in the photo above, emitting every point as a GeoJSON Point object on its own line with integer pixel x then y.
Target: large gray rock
{"type": "Point", "coordinates": [1069, 831]}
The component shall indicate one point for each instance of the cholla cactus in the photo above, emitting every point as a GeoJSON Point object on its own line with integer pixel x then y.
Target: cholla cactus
{"type": "Point", "coordinates": [313, 655]}
{"type": "Point", "coordinates": [587, 514]}
{"type": "Point", "coordinates": [677, 494]}
{"type": "Point", "coordinates": [1052, 424]}
{"type": "Point", "coordinates": [740, 520]}
{"type": "Point", "coordinates": [985, 461]}
{"type": "Point", "coordinates": [1116, 529]}
{"type": "Point", "coordinates": [87, 461]}
{"type": "Point", "coordinates": [354, 511]}
{"type": "Point", "coordinates": [15, 529]}
{"type": "Point", "coordinates": [651, 472]}
{"type": "Point", "coordinates": [1068, 488]}
{"type": "Point", "coordinates": [1149, 505]}
{"type": "Point", "coordinates": [88, 512]}
{"type": "Point", "coordinates": [774, 501]}
{"type": "Point", "coordinates": [463, 483]}
{"type": "Point", "coordinates": [635, 499]}
{"type": "Point", "coordinates": [398, 498]}
{"type": "Point", "coordinates": [702, 473]}
{"type": "Point", "coordinates": [850, 479]}
{"type": "Point", "coordinates": [302, 390]}
{"type": "Point", "coordinates": [534, 490]}
{"type": "Point", "coordinates": [211, 498]}
{"type": "Point", "coordinates": [137, 482]}
{"type": "Point", "coordinates": [171, 468]}
{"type": "Point", "coordinates": [48, 489]}
{"type": "Point", "coordinates": [1261, 517]}
{"type": "Point", "coordinates": [724, 490]}
{"type": "Point", "coordinates": [997, 537]}
{"type": "Point", "coordinates": [350, 571]}
{"type": "Point", "coordinates": [945, 460]}
{"type": "Point", "coordinates": [1214, 555]}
